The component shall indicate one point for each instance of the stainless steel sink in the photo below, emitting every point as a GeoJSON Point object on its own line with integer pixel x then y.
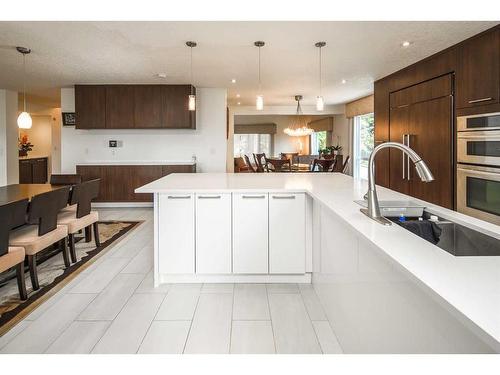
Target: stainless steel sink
{"type": "Point", "coordinates": [397, 208]}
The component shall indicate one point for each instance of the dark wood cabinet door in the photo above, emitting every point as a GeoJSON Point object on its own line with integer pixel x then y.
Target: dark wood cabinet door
{"type": "Point", "coordinates": [148, 106]}
{"type": "Point", "coordinates": [144, 175]}
{"type": "Point", "coordinates": [39, 168]}
{"type": "Point", "coordinates": [25, 172]}
{"type": "Point", "coordinates": [167, 169]}
{"type": "Point", "coordinates": [91, 172]}
{"type": "Point", "coordinates": [431, 136]}
{"type": "Point", "coordinates": [120, 107]}
{"type": "Point", "coordinates": [175, 113]}
{"type": "Point", "coordinates": [478, 74]}
{"type": "Point", "coordinates": [90, 106]}
{"type": "Point", "coordinates": [399, 120]}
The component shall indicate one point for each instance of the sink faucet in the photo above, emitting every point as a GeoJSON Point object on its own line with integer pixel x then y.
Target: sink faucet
{"type": "Point", "coordinates": [373, 210]}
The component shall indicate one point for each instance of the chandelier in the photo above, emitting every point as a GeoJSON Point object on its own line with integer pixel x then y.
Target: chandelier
{"type": "Point", "coordinates": [299, 126]}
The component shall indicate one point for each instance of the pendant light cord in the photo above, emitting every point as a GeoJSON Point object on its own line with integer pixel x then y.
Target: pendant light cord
{"type": "Point", "coordinates": [260, 86]}
{"type": "Point", "coordinates": [24, 82]}
{"type": "Point", "coordinates": [320, 86]}
{"type": "Point", "coordinates": [191, 49]}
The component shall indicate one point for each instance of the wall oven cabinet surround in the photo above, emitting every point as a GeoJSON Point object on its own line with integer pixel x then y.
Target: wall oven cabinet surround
{"type": "Point", "coordinates": [133, 107]}
{"type": "Point", "coordinates": [237, 237]}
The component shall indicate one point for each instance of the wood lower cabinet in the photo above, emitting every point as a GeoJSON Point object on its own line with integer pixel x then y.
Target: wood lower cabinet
{"type": "Point", "coordinates": [287, 240]}
{"type": "Point", "coordinates": [33, 171]}
{"type": "Point", "coordinates": [213, 233]}
{"type": "Point", "coordinates": [250, 233]}
{"type": "Point", "coordinates": [118, 182]}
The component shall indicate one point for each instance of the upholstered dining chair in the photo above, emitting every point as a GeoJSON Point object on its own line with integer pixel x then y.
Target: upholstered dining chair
{"type": "Point", "coordinates": [79, 216]}
{"type": "Point", "coordinates": [251, 168]}
{"type": "Point", "coordinates": [13, 215]}
{"type": "Point", "coordinates": [279, 165]}
{"type": "Point", "coordinates": [42, 229]}
{"type": "Point", "coordinates": [325, 165]}
{"type": "Point", "coordinates": [260, 162]}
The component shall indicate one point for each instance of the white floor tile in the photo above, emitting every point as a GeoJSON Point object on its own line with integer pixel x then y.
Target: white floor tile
{"type": "Point", "coordinates": [293, 330]}
{"type": "Point", "coordinates": [166, 337]}
{"type": "Point", "coordinates": [111, 300]}
{"type": "Point", "coordinates": [250, 302]}
{"type": "Point", "coordinates": [327, 339]}
{"type": "Point", "coordinates": [211, 328]}
{"type": "Point", "coordinates": [147, 285]}
{"type": "Point", "coordinates": [13, 332]}
{"type": "Point", "coordinates": [217, 288]}
{"type": "Point", "coordinates": [79, 338]}
{"type": "Point", "coordinates": [142, 262]}
{"type": "Point", "coordinates": [282, 288]}
{"type": "Point", "coordinates": [38, 336]}
{"type": "Point", "coordinates": [312, 303]}
{"type": "Point", "coordinates": [126, 332]}
{"type": "Point", "coordinates": [178, 305]}
{"type": "Point", "coordinates": [97, 280]}
{"type": "Point", "coordinates": [252, 337]}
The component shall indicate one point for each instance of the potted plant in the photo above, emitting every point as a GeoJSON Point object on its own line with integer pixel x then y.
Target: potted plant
{"type": "Point", "coordinates": [24, 146]}
{"type": "Point", "coordinates": [336, 149]}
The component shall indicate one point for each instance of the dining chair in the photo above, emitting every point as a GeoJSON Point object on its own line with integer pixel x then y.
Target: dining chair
{"type": "Point", "coordinates": [42, 229]}
{"type": "Point", "coordinates": [325, 165]}
{"type": "Point", "coordinates": [261, 167]}
{"type": "Point", "coordinates": [80, 215]}
{"type": "Point", "coordinates": [13, 215]}
{"type": "Point", "coordinates": [65, 179]}
{"type": "Point", "coordinates": [345, 166]}
{"type": "Point", "coordinates": [279, 165]}
{"type": "Point", "coordinates": [251, 168]}
{"type": "Point", "coordinates": [292, 156]}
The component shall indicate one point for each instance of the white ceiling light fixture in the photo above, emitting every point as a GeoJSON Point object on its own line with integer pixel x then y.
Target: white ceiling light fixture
{"type": "Point", "coordinates": [320, 102]}
{"type": "Point", "coordinates": [24, 120]}
{"type": "Point", "coordinates": [405, 44]}
{"type": "Point", "coordinates": [192, 96]}
{"type": "Point", "coordinates": [299, 126]}
{"type": "Point", "coordinates": [238, 95]}
{"type": "Point", "coordinates": [233, 80]}
{"type": "Point", "coordinates": [259, 101]}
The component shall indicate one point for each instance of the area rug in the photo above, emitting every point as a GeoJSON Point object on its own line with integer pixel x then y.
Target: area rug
{"type": "Point", "coordinates": [53, 276]}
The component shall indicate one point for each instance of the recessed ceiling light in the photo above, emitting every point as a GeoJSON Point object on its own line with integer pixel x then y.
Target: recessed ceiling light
{"type": "Point", "coordinates": [405, 44]}
{"type": "Point", "coordinates": [238, 95]}
{"type": "Point", "coordinates": [344, 81]}
{"type": "Point", "coordinates": [233, 80]}
{"type": "Point", "coordinates": [239, 103]}
{"type": "Point", "coordinates": [162, 75]}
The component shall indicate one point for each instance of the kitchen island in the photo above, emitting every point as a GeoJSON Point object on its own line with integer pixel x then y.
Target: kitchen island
{"type": "Point", "coordinates": [383, 289]}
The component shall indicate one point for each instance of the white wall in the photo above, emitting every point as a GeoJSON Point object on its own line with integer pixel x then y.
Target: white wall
{"type": "Point", "coordinates": [9, 165]}
{"type": "Point", "coordinates": [207, 142]}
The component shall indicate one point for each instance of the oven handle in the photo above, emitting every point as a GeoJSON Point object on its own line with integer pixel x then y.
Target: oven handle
{"type": "Point", "coordinates": [479, 172]}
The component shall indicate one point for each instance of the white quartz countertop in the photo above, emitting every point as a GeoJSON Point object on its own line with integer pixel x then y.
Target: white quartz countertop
{"type": "Point", "coordinates": [471, 285]}
{"type": "Point", "coordinates": [138, 162]}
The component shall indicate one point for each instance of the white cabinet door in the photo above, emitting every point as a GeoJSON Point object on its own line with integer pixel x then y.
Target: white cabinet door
{"type": "Point", "coordinates": [287, 228]}
{"type": "Point", "coordinates": [176, 233]}
{"type": "Point", "coordinates": [213, 233]}
{"type": "Point", "coordinates": [250, 233]}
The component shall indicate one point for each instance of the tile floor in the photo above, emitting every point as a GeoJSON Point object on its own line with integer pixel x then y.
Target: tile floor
{"type": "Point", "coordinates": [112, 307]}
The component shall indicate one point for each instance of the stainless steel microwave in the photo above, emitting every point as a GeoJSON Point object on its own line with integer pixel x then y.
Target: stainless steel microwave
{"type": "Point", "coordinates": [487, 121]}
{"type": "Point", "coordinates": [479, 147]}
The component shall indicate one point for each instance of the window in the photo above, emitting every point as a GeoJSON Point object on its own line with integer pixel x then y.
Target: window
{"type": "Point", "coordinates": [363, 141]}
{"type": "Point", "coordinates": [318, 142]}
{"type": "Point", "coordinates": [247, 144]}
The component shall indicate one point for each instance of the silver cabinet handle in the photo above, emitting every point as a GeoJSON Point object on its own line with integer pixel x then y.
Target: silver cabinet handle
{"type": "Point", "coordinates": [404, 142]}
{"type": "Point", "coordinates": [179, 197]}
{"type": "Point", "coordinates": [408, 136]}
{"type": "Point", "coordinates": [209, 196]}
{"type": "Point", "coordinates": [283, 196]}
{"type": "Point", "coordinates": [480, 100]}
{"type": "Point", "coordinates": [253, 196]}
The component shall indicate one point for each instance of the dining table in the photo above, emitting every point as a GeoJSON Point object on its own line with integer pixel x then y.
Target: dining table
{"type": "Point", "coordinates": [16, 192]}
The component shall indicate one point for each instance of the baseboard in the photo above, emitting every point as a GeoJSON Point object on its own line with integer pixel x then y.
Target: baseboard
{"type": "Point", "coordinates": [232, 278]}
{"type": "Point", "coordinates": [122, 204]}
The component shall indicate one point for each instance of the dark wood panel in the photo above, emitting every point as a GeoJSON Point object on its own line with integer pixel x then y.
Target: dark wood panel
{"type": "Point", "coordinates": [91, 172]}
{"type": "Point", "coordinates": [478, 76]}
{"type": "Point", "coordinates": [399, 126]}
{"type": "Point", "coordinates": [120, 107]}
{"type": "Point", "coordinates": [381, 104]}
{"type": "Point", "coordinates": [428, 90]}
{"type": "Point", "coordinates": [90, 106]}
{"type": "Point", "coordinates": [175, 107]}
{"type": "Point", "coordinates": [143, 175]}
{"type": "Point", "coordinates": [40, 172]}
{"type": "Point", "coordinates": [148, 104]}
{"type": "Point", "coordinates": [25, 172]}
{"type": "Point", "coordinates": [167, 169]}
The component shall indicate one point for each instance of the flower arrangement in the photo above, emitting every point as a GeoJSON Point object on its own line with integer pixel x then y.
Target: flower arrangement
{"type": "Point", "coordinates": [25, 145]}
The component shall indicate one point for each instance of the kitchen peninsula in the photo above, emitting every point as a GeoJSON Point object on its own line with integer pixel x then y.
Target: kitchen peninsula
{"type": "Point", "coordinates": [216, 227]}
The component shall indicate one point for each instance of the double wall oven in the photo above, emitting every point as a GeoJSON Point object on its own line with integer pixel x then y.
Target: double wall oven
{"type": "Point", "coordinates": [478, 166]}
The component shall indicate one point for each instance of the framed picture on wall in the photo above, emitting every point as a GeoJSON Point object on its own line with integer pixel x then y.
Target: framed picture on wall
{"type": "Point", "coordinates": [68, 119]}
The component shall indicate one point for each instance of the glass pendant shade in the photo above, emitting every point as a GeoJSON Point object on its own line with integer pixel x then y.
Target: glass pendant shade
{"type": "Point", "coordinates": [192, 103]}
{"type": "Point", "coordinates": [24, 121]}
{"type": "Point", "coordinates": [259, 103]}
{"type": "Point", "coordinates": [320, 103]}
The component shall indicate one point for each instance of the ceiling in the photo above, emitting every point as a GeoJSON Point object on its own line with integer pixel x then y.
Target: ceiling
{"type": "Point", "coordinates": [65, 53]}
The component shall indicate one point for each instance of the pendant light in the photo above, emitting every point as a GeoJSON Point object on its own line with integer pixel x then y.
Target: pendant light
{"type": "Point", "coordinates": [192, 96]}
{"type": "Point", "coordinates": [320, 103]}
{"type": "Point", "coordinates": [259, 102]}
{"type": "Point", "coordinates": [299, 127]}
{"type": "Point", "coordinates": [24, 119]}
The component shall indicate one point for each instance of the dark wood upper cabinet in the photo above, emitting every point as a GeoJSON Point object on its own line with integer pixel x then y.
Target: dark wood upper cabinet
{"type": "Point", "coordinates": [90, 107]}
{"type": "Point", "coordinates": [176, 114]}
{"type": "Point", "coordinates": [148, 104]}
{"type": "Point", "coordinates": [119, 107]}
{"type": "Point", "coordinates": [478, 74]}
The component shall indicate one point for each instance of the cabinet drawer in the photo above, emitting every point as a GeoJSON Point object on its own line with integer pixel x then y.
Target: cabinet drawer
{"type": "Point", "coordinates": [213, 233]}
{"type": "Point", "coordinates": [287, 229]}
{"type": "Point", "coordinates": [250, 233]}
{"type": "Point", "coordinates": [176, 254]}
